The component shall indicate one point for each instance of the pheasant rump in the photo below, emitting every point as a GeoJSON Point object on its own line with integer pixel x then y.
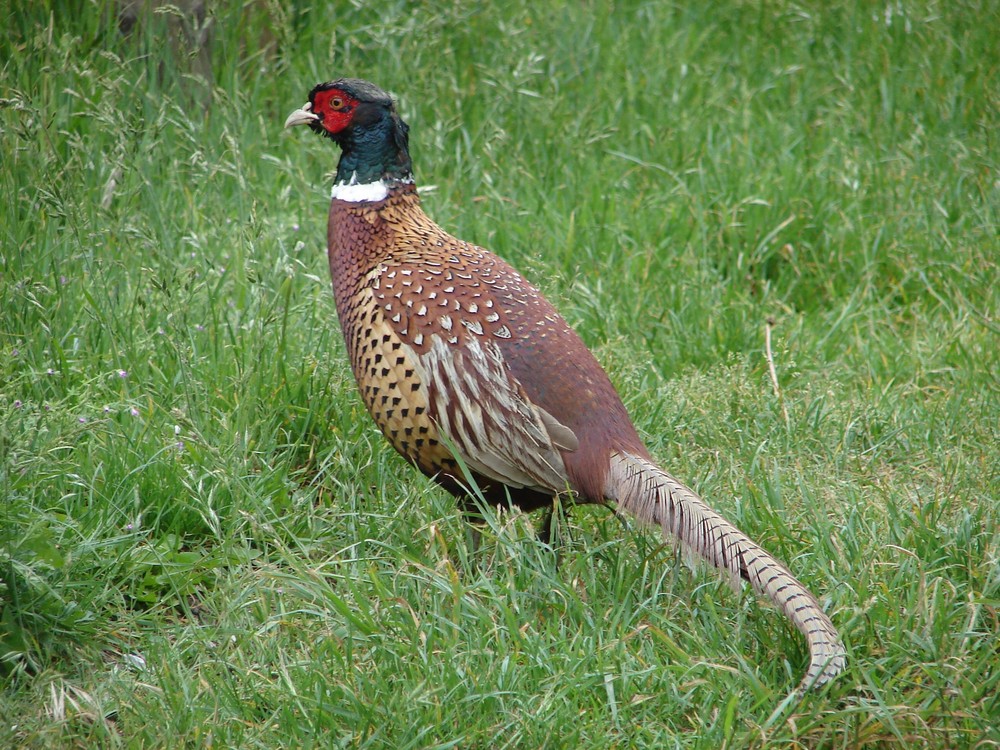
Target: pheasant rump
{"type": "Point", "coordinates": [457, 356]}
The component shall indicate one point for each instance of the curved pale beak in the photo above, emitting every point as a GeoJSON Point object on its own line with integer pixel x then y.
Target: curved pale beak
{"type": "Point", "coordinates": [301, 116]}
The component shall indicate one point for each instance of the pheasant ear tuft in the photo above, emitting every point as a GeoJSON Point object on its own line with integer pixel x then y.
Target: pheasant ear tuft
{"type": "Point", "coordinates": [401, 137]}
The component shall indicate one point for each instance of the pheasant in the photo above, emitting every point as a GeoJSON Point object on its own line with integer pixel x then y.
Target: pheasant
{"type": "Point", "coordinates": [466, 367]}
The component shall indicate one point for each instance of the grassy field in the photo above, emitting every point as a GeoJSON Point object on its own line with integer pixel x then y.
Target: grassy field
{"type": "Point", "coordinates": [204, 541]}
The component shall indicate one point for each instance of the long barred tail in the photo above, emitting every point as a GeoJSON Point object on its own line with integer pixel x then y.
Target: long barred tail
{"type": "Point", "coordinates": [653, 496]}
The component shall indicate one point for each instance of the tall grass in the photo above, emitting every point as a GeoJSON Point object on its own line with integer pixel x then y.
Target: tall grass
{"type": "Point", "coordinates": [204, 540]}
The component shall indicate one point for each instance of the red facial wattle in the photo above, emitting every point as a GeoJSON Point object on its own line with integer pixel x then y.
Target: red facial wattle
{"type": "Point", "coordinates": [335, 108]}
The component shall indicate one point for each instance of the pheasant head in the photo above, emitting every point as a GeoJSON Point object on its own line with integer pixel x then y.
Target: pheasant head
{"type": "Point", "coordinates": [362, 119]}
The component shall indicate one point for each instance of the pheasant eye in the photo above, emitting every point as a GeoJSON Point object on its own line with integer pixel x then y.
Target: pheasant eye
{"type": "Point", "coordinates": [337, 102]}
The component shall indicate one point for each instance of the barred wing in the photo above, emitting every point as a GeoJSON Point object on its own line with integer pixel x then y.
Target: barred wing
{"type": "Point", "coordinates": [484, 412]}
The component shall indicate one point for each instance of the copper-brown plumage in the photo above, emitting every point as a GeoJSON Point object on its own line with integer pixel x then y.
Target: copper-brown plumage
{"type": "Point", "coordinates": [455, 352]}
{"type": "Point", "coordinates": [401, 283]}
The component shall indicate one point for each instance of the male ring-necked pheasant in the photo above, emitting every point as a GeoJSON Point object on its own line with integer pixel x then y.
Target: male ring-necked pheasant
{"type": "Point", "coordinates": [455, 353]}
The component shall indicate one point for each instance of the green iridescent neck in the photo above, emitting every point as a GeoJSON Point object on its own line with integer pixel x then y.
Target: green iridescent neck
{"type": "Point", "coordinates": [376, 152]}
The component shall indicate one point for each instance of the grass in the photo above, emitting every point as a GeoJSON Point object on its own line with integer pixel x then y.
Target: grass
{"type": "Point", "coordinates": [205, 542]}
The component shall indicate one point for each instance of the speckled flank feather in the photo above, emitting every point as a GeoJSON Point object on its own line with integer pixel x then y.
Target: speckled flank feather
{"type": "Point", "coordinates": [653, 496]}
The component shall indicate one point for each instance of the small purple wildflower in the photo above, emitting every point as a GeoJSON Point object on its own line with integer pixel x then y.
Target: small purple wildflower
{"type": "Point", "coordinates": [50, 371]}
{"type": "Point", "coordinates": [295, 227]}
{"type": "Point", "coordinates": [199, 327]}
{"type": "Point", "coordinates": [17, 403]}
{"type": "Point", "coordinates": [123, 373]}
{"type": "Point", "coordinates": [15, 353]}
{"type": "Point", "coordinates": [63, 280]}
{"type": "Point", "coordinates": [134, 412]}
{"type": "Point", "coordinates": [82, 420]}
{"type": "Point", "coordinates": [128, 527]}
{"type": "Point", "coordinates": [107, 409]}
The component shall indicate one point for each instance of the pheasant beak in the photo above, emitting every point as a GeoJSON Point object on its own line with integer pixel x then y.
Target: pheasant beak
{"type": "Point", "coordinates": [301, 116]}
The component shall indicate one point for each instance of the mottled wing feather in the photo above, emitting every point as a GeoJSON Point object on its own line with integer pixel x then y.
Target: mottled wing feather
{"type": "Point", "coordinates": [562, 437]}
{"type": "Point", "coordinates": [486, 416]}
